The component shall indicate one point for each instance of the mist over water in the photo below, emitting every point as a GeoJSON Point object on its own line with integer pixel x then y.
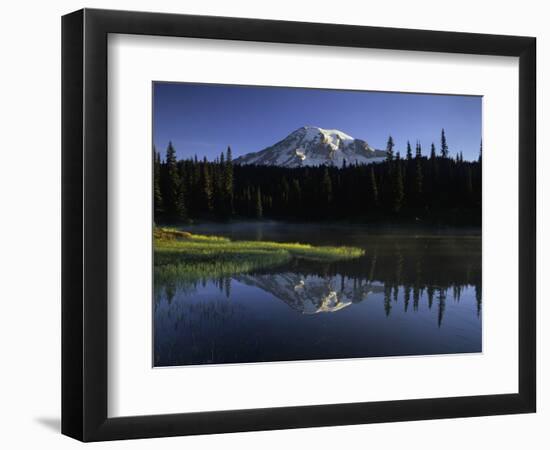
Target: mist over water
{"type": "Point", "coordinates": [414, 292]}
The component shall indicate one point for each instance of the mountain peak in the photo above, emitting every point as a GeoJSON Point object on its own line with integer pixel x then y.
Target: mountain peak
{"type": "Point", "coordinates": [312, 130]}
{"type": "Point", "coordinates": [314, 146]}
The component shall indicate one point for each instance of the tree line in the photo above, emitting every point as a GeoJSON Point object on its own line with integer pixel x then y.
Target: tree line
{"type": "Point", "coordinates": [435, 188]}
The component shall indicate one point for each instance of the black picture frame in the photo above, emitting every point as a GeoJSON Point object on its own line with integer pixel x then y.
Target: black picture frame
{"type": "Point", "coordinates": [84, 224]}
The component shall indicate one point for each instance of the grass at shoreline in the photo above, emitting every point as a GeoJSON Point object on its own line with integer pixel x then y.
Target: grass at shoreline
{"type": "Point", "coordinates": [180, 255]}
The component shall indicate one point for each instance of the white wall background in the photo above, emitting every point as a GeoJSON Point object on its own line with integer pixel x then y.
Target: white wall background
{"type": "Point", "coordinates": [30, 225]}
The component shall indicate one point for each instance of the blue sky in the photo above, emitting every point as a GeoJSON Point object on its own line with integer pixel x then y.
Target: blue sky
{"type": "Point", "coordinates": [204, 119]}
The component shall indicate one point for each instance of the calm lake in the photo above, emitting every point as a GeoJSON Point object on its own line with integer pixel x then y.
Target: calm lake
{"type": "Point", "coordinates": [414, 292]}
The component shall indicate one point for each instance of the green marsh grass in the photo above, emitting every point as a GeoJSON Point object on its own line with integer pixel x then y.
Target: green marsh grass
{"type": "Point", "coordinates": [180, 255]}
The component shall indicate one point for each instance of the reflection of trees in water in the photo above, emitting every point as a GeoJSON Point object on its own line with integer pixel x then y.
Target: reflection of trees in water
{"type": "Point", "coordinates": [199, 324]}
{"type": "Point", "coordinates": [169, 289]}
{"type": "Point", "coordinates": [441, 306]}
{"type": "Point", "coordinates": [315, 298]}
{"type": "Point", "coordinates": [427, 262]}
{"type": "Point", "coordinates": [478, 298]}
{"type": "Point", "coordinates": [387, 299]}
{"type": "Point", "coordinates": [406, 298]}
{"type": "Point", "coordinates": [416, 297]}
{"type": "Point", "coordinates": [420, 267]}
{"type": "Point", "coordinates": [413, 269]}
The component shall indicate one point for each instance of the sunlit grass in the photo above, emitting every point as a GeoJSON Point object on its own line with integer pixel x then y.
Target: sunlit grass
{"type": "Point", "coordinates": [186, 256]}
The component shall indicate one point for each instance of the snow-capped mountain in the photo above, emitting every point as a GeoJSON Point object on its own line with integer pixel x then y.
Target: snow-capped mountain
{"type": "Point", "coordinates": [312, 294]}
{"type": "Point", "coordinates": [314, 146]}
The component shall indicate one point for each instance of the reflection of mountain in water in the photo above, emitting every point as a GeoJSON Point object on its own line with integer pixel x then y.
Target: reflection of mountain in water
{"type": "Point", "coordinates": [311, 294]}
{"type": "Point", "coordinates": [413, 270]}
{"type": "Point", "coordinates": [408, 295]}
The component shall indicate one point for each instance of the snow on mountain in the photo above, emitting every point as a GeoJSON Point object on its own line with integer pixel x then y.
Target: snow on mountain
{"type": "Point", "coordinates": [311, 294]}
{"type": "Point", "coordinates": [314, 146]}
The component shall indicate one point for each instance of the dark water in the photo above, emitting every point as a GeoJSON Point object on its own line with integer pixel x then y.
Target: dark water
{"type": "Point", "coordinates": [415, 292]}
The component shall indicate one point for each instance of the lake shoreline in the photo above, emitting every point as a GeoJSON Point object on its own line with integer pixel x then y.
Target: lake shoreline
{"type": "Point", "coordinates": [375, 228]}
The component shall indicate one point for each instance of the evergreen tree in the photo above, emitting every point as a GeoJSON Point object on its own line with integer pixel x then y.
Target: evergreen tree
{"type": "Point", "coordinates": [409, 151]}
{"type": "Point", "coordinates": [259, 209]}
{"type": "Point", "coordinates": [418, 150]}
{"type": "Point", "coordinates": [397, 187]}
{"type": "Point", "coordinates": [373, 187]}
{"type": "Point", "coordinates": [418, 176]}
{"type": "Point", "coordinates": [326, 188]}
{"type": "Point", "coordinates": [416, 187]}
{"type": "Point", "coordinates": [434, 173]}
{"type": "Point", "coordinates": [284, 192]}
{"type": "Point", "coordinates": [389, 149]}
{"type": "Point", "coordinates": [206, 182]}
{"type": "Point", "coordinates": [222, 162]}
{"type": "Point", "coordinates": [444, 146]}
{"type": "Point", "coordinates": [469, 189]}
{"type": "Point", "coordinates": [157, 195]}
{"type": "Point", "coordinates": [296, 195]}
{"type": "Point", "coordinates": [180, 207]}
{"type": "Point", "coordinates": [248, 201]}
{"type": "Point", "coordinates": [174, 202]}
{"type": "Point", "coordinates": [228, 180]}
{"type": "Point", "coordinates": [218, 182]}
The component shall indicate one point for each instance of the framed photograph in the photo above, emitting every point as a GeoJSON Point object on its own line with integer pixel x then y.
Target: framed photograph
{"type": "Point", "coordinates": [274, 224]}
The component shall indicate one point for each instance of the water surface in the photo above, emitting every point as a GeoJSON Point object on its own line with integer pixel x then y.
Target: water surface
{"type": "Point", "coordinates": [414, 292]}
